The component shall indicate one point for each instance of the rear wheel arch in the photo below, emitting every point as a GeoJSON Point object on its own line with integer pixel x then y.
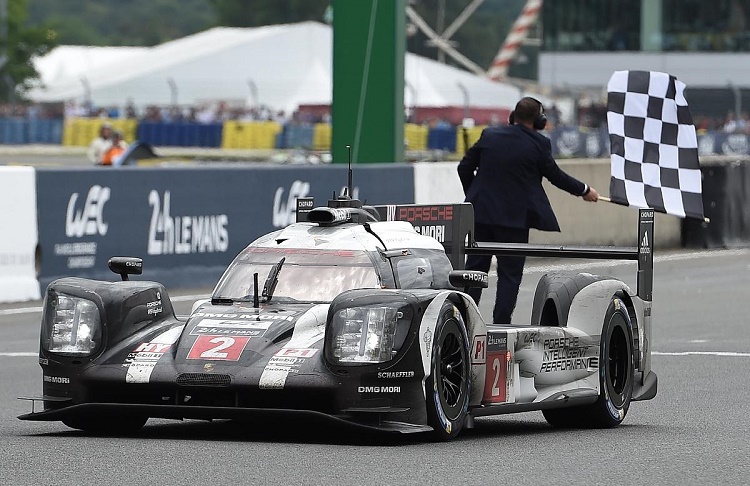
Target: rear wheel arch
{"type": "Point", "coordinates": [554, 296]}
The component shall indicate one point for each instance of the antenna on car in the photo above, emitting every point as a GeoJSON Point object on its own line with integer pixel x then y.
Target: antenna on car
{"type": "Point", "coordinates": [256, 302]}
{"type": "Point", "coordinates": [349, 184]}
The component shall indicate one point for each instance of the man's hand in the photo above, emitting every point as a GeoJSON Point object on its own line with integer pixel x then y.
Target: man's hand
{"type": "Point", "coordinates": [591, 196]}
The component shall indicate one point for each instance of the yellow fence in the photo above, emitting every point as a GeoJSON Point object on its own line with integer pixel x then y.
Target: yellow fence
{"type": "Point", "coordinates": [243, 134]}
{"type": "Point", "coordinates": [322, 136]}
{"type": "Point", "coordinates": [471, 133]}
{"type": "Point", "coordinates": [249, 135]}
{"type": "Point", "coordinates": [415, 136]}
{"type": "Point", "coordinates": [81, 131]}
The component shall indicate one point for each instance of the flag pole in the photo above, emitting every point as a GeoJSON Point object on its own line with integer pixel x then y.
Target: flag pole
{"type": "Point", "coordinates": [606, 199]}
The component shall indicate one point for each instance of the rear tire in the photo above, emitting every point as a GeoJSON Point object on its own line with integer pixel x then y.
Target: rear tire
{"type": "Point", "coordinates": [447, 387]}
{"type": "Point", "coordinates": [616, 370]}
{"type": "Point", "coordinates": [107, 425]}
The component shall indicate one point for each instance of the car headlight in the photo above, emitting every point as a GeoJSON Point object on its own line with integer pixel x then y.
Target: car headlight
{"type": "Point", "coordinates": [365, 335]}
{"type": "Point", "coordinates": [72, 325]}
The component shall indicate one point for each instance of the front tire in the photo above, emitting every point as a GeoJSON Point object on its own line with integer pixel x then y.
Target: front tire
{"type": "Point", "coordinates": [447, 387]}
{"type": "Point", "coordinates": [616, 370]}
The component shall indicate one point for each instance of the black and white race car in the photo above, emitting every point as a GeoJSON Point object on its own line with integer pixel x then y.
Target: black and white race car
{"type": "Point", "coordinates": [354, 316]}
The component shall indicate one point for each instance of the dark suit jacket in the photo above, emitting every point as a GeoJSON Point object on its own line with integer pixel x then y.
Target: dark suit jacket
{"type": "Point", "coordinates": [502, 178]}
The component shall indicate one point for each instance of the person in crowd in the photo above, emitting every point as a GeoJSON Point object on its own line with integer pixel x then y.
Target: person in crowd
{"type": "Point", "coordinates": [501, 175]}
{"type": "Point", "coordinates": [115, 149]}
{"type": "Point", "coordinates": [100, 144]}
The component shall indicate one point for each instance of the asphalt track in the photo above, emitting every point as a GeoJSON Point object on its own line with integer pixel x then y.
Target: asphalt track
{"type": "Point", "coordinates": [694, 432]}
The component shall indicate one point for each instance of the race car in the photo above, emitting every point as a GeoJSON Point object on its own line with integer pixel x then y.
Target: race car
{"type": "Point", "coordinates": [353, 316]}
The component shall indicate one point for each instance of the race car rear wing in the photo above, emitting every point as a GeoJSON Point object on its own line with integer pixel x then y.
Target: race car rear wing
{"type": "Point", "coordinates": [453, 226]}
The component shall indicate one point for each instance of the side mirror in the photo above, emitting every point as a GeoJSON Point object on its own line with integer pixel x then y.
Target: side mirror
{"type": "Point", "coordinates": [125, 266]}
{"type": "Point", "coordinates": [466, 279]}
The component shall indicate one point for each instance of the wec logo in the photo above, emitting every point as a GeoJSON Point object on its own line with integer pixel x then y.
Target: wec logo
{"type": "Point", "coordinates": [88, 220]}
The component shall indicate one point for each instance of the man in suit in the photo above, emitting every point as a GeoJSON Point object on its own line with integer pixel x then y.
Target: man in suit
{"type": "Point", "coordinates": [502, 178]}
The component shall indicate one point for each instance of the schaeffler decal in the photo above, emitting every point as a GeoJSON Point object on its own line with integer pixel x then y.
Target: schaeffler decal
{"type": "Point", "coordinates": [395, 374]}
{"type": "Point", "coordinates": [221, 348]}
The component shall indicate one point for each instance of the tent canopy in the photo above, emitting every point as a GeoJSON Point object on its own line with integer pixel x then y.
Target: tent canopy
{"type": "Point", "coordinates": [279, 66]}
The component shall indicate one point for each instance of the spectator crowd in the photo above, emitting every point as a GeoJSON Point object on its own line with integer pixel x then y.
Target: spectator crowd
{"type": "Point", "coordinates": [589, 114]}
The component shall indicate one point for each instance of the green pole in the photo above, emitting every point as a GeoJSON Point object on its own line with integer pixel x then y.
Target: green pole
{"type": "Point", "coordinates": [369, 44]}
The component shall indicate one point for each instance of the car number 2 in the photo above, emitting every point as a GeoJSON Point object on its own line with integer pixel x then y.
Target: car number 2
{"type": "Point", "coordinates": [496, 378]}
{"type": "Point", "coordinates": [223, 343]}
{"type": "Point", "coordinates": [223, 348]}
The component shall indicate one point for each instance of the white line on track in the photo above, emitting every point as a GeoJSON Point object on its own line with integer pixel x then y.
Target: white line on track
{"type": "Point", "coordinates": [30, 310]}
{"type": "Point", "coordinates": [730, 354]}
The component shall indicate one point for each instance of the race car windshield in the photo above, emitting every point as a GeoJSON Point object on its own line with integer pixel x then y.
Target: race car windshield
{"type": "Point", "coordinates": [307, 275]}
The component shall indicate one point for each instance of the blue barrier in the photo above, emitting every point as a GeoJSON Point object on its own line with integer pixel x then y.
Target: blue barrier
{"type": "Point", "coordinates": [574, 142]}
{"type": "Point", "coordinates": [297, 136]}
{"type": "Point", "coordinates": [13, 131]}
{"type": "Point", "coordinates": [442, 139]}
{"type": "Point", "coordinates": [180, 134]}
{"type": "Point", "coordinates": [23, 131]}
{"type": "Point", "coordinates": [45, 131]}
{"type": "Point", "coordinates": [187, 223]}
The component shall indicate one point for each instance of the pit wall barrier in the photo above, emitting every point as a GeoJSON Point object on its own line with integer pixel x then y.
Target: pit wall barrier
{"type": "Point", "coordinates": [18, 227]}
{"type": "Point", "coordinates": [186, 222]}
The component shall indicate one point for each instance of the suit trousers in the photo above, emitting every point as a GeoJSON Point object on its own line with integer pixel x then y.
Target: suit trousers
{"type": "Point", "coordinates": [509, 268]}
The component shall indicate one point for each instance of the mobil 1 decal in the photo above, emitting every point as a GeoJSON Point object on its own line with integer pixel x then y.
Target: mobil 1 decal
{"type": "Point", "coordinates": [498, 386]}
{"type": "Point", "coordinates": [141, 361]}
{"type": "Point", "coordinates": [287, 360]}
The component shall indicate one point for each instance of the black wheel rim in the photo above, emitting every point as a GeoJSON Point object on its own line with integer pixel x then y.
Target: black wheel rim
{"type": "Point", "coordinates": [451, 372]}
{"type": "Point", "coordinates": [618, 365]}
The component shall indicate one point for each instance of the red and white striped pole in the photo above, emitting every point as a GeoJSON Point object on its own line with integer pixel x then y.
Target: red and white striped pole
{"type": "Point", "coordinates": [516, 36]}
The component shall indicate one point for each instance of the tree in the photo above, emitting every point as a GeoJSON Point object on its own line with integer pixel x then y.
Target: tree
{"type": "Point", "coordinates": [19, 43]}
{"type": "Point", "coordinates": [240, 13]}
{"type": "Point", "coordinates": [119, 23]}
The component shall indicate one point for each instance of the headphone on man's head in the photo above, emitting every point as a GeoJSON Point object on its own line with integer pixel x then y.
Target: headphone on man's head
{"type": "Point", "coordinates": [540, 120]}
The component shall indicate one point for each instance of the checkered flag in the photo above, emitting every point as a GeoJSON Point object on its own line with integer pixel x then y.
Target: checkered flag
{"type": "Point", "coordinates": [653, 144]}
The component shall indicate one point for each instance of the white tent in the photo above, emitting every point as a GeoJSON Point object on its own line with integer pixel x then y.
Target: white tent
{"type": "Point", "coordinates": [280, 66]}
